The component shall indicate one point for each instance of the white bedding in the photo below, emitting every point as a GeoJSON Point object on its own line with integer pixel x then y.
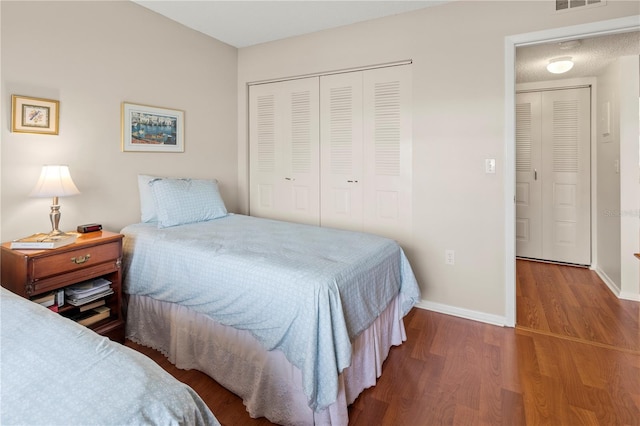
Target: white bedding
{"type": "Point", "coordinates": [54, 371]}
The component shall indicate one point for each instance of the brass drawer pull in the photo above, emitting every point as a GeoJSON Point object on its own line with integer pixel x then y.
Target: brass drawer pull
{"type": "Point", "coordinates": [80, 259]}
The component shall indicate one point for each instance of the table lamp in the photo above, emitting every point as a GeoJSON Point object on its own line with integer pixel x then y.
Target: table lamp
{"type": "Point", "coordinates": [55, 181]}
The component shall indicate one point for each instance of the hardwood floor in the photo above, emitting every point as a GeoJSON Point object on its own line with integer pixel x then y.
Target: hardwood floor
{"type": "Point", "coordinates": [574, 302]}
{"type": "Point", "coordinates": [572, 362]}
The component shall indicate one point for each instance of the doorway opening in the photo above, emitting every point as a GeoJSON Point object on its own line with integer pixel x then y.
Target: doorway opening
{"type": "Point", "coordinates": [553, 35]}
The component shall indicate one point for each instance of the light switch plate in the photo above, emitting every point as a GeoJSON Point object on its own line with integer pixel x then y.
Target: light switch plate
{"type": "Point", "coordinates": [490, 165]}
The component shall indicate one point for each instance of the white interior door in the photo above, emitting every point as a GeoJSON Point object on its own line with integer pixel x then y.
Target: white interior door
{"type": "Point", "coordinates": [388, 151]}
{"type": "Point", "coordinates": [528, 176]}
{"type": "Point", "coordinates": [284, 151]}
{"type": "Point", "coordinates": [553, 174]}
{"type": "Point", "coordinates": [341, 151]}
{"type": "Point", "coordinates": [366, 151]}
{"type": "Point", "coordinates": [566, 175]}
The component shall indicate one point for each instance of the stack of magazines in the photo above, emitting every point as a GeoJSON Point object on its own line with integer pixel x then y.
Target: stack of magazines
{"type": "Point", "coordinates": [88, 291]}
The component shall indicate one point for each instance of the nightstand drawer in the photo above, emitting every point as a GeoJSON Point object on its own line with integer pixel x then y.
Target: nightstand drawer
{"type": "Point", "coordinates": [72, 260]}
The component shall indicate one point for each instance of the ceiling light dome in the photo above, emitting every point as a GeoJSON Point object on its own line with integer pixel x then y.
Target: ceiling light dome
{"type": "Point", "coordinates": [560, 65]}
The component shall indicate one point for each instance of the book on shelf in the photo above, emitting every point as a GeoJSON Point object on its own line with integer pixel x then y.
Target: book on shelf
{"type": "Point", "coordinates": [87, 288]}
{"type": "Point", "coordinates": [85, 300]}
{"type": "Point", "coordinates": [45, 300]}
{"type": "Point", "coordinates": [91, 305]}
{"type": "Point", "coordinates": [91, 316]}
{"type": "Point", "coordinates": [43, 241]}
{"type": "Point", "coordinates": [88, 291]}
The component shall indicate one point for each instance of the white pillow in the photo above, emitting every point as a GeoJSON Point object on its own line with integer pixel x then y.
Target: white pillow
{"type": "Point", "coordinates": [147, 205]}
{"type": "Point", "coordinates": [183, 201]}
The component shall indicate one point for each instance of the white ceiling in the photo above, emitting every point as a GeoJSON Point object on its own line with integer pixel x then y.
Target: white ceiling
{"type": "Point", "coordinates": [246, 23]}
{"type": "Point", "coordinates": [243, 23]}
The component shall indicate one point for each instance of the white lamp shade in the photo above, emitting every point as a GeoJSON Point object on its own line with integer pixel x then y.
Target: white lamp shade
{"type": "Point", "coordinates": [55, 181]}
{"type": "Point", "coordinates": [560, 65]}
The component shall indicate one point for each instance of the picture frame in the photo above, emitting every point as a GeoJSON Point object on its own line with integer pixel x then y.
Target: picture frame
{"type": "Point", "coordinates": [148, 128]}
{"type": "Point", "coordinates": [34, 115]}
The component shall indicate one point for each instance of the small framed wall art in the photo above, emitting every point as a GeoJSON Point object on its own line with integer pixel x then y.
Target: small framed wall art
{"type": "Point", "coordinates": [34, 115]}
{"type": "Point", "coordinates": [152, 129]}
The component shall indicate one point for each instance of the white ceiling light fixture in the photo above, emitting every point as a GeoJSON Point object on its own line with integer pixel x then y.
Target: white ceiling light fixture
{"type": "Point", "coordinates": [560, 65]}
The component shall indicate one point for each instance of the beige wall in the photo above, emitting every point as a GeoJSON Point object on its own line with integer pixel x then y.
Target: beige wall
{"type": "Point", "coordinates": [608, 178]}
{"type": "Point", "coordinates": [629, 99]}
{"type": "Point", "coordinates": [458, 53]}
{"type": "Point", "coordinates": [92, 56]}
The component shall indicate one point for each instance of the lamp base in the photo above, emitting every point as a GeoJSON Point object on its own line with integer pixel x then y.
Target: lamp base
{"type": "Point", "coordinates": [57, 233]}
{"type": "Point", "coordinates": [54, 217]}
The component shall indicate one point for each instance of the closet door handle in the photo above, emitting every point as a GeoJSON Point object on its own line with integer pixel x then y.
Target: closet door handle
{"type": "Point", "coordinates": [288, 178]}
{"type": "Point", "coordinates": [535, 174]}
{"type": "Point", "coordinates": [352, 181]}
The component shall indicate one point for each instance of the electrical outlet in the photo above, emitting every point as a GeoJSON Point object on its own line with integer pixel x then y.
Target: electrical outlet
{"type": "Point", "coordinates": [449, 257]}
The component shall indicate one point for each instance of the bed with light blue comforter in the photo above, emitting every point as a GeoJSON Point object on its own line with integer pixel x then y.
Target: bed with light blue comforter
{"type": "Point", "coordinates": [57, 372]}
{"type": "Point", "coordinates": [305, 290]}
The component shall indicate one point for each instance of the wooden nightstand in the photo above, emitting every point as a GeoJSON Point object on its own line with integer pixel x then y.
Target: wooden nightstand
{"type": "Point", "coordinates": [33, 273]}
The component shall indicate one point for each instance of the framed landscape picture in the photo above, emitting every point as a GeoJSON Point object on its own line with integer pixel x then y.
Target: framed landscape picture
{"type": "Point", "coordinates": [152, 129]}
{"type": "Point", "coordinates": [34, 115]}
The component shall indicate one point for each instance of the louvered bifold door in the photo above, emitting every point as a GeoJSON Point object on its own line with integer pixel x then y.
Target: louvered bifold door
{"type": "Point", "coordinates": [387, 146]}
{"type": "Point", "coordinates": [566, 175]}
{"type": "Point", "coordinates": [341, 150]}
{"type": "Point", "coordinates": [366, 151]}
{"type": "Point", "coordinates": [528, 176]}
{"type": "Point", "coordinates": [284, 151]}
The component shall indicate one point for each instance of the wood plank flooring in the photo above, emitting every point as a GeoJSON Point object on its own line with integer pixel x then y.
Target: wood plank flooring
{"type": "Point", "coordinates": [560, 367]}
{"type": "Point", "coordinates": [574, 302]}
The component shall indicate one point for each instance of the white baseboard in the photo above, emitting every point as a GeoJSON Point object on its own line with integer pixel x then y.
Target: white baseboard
{"type": "Point", "coordinates": [462, 313]}
{"type": "Point", "coordinates": [629, 296]}
{"type": "Point", "coordinates": [615, 289]}
{"type": "Point", "coordinates": [608, 282]}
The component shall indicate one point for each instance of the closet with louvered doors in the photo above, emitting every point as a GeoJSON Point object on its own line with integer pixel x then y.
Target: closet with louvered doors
{"type": "Point", "coordinates": [553, 174]}
{"type": "Point", "coordinates": [356, 168]}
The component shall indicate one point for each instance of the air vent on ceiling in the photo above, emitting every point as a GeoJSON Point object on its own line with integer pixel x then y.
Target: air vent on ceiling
{"type": "Point", "coordinates": [572, 4]}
